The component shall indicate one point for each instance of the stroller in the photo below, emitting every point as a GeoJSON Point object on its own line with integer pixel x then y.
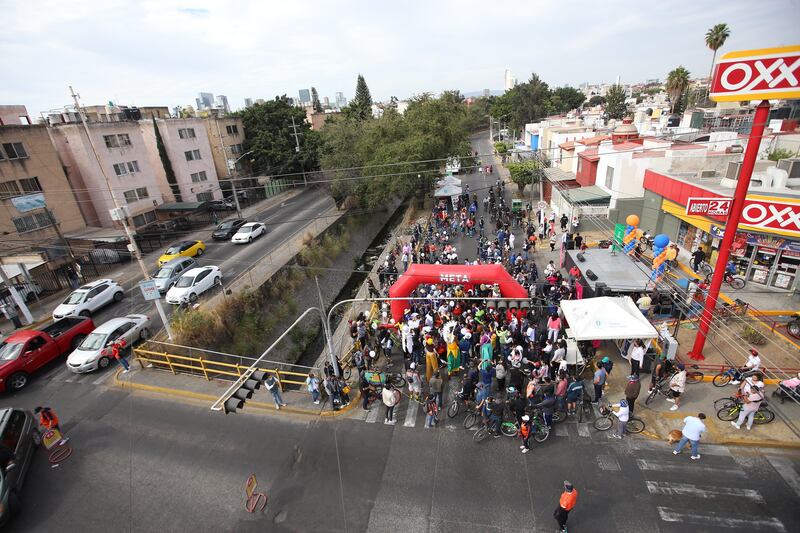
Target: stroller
{"type": "Point", "coordinates": [784, 392]}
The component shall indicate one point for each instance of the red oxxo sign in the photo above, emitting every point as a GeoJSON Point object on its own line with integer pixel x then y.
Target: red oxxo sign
{"type": "Point", "coordinates": [780, 216]}
{"type": "Point", "coordinates": [764, 74]}
{"type": "Point", "coordinates": [709, 206]}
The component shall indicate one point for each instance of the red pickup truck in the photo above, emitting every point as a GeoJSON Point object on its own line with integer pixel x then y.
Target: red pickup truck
{"type": "Point", "coordinates": [27, 350]}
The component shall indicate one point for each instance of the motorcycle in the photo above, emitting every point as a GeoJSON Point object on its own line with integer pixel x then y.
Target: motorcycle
{"type": "Point", "coordinates": [793, 326]}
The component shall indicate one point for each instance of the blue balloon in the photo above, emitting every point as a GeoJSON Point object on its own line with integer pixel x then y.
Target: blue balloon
{"type": "Point", "coordinates": [661, 241]}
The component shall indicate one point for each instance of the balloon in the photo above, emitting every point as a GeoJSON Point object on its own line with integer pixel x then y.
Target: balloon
{"type": "Point", "coordinates": [632, 220]}
{"type": "Point", "coordinates": [662, 241]}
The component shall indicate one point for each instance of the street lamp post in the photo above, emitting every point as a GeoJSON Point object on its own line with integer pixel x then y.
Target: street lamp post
{"type": "Point", "coordinates": [231, 166]}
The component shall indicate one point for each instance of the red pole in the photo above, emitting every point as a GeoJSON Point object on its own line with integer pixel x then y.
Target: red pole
{"type": "Point", "coordinates": [749, 161]}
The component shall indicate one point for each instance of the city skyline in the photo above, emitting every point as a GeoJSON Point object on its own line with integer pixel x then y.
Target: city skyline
{"type": "Point", "coordinates": [175, 49]}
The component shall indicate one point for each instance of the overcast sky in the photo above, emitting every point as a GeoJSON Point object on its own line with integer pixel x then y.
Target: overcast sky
{"type": "Point", "coordinates": [164, 52]}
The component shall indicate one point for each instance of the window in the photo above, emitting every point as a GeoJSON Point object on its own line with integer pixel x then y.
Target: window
{"type": "Point", "coordinates": [9, 189]}
{"type": "Point", "coordinates": [32, 222]}
{"type": "Point", "coordinates": [130, 196]}
{"type": "Point", "coordinates": [609, 177]}
{"type": "Point", "coordinates": [124, 139]}
{"type": "Point", "coordinates": [111, 141]}
{"type": "Point", "coordinates": [236, 148]}
{"type": "Point", "coordinates": [205, 197]}
{"type": "Point", "coordinates": [192, 155]}
{"type": "Point", "coordinates": [15, 150]}
{"type": "Point", "coordinates": [13, 431]}
{"type": "Point", "coordinates": [186, 133]}
{"type": "Point", "coordinates": [119, 169]}
{"type": "Point", "coordinates": [133, 166]}
{"type": "Point", "coordinates": [232, 129]}
{"type": "Point", "coordinates": [197, 177]}
{"type": "Point", "coordinates": [141, 192]}
{"type": "Point", "coordinates": [30, 184]}
{"type": "Point", "coordinates": [144, 218]}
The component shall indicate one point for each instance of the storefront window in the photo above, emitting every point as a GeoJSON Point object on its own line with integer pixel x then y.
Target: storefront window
{"type": "Point", "coordinates": [786, 268]}
{"type": "Point", "coordinates": [762, 264]}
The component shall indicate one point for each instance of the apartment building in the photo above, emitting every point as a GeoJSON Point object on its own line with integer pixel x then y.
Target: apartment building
{"type": "Point", "coordinates": [226, 135]}
{"type": "Point", "coordinates": [187, 145]}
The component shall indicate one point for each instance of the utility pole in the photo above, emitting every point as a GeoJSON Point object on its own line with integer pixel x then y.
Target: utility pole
{"type": "Point", "coordinates": [132, 247]}
{"type": "Point", "coordinates": [297, 149]}
{"type": "Point", "coordinates": [228, 166]}
{"type": "Point", "coordinates": [326, 327]}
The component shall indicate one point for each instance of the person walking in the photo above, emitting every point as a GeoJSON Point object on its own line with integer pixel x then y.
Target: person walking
{"type": "Point", "coordinates": [553, 242]}
{"type": "Point", "coordinates": [553, 327]}
{"type": "Point", "coordinates": [274, 386]}
{"type": "Point", "coordinates": [312, 383]}
{"type": "Point", "coordinates": [431, 411]}
{"type": "Point", "coordinates": [435, 386]}
{"type": "Point", "coordinates": [693, 429]}
{"type": "Point", "coordinates": [391, 397]}
{"type": "Point", "coordinates": [637, 356]}
{"type": "Point", "coordinates": [565, 504]}
{"type": "Point", "coordinates": [677, 384]}
{"type": "Point", "coordinates": [698, 256]}
{"type": "Point", "coordinates": [632, 390]}
{"type": "Point", "coordinates": [599, 382]}
{"type": "Point", "coordinates": [623, 414]}
{"type": "Point", "coordinates": [117, 348]}
{"type": "Point", "coordinates": [525, 432]}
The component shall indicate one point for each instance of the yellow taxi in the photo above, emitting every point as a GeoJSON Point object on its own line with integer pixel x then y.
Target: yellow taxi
{"type": "Point", "coordinates": [182, 249]}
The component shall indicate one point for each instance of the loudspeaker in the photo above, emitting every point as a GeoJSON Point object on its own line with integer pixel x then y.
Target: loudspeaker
{"type": "Point", "coordinates": [591, 275]}
{"type": "Point", "coordinates": [581, 258]}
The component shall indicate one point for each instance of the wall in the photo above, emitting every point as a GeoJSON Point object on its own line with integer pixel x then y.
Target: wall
{"type": "Point", "coordinates": [217, 132]}
{"type": "Point", "coordinates": [14, 115]}
{"type": "Point", "coordinates": [176, 148]}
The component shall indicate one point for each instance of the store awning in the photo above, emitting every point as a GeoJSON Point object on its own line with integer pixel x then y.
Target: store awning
{"type": "Point", "coordinates": [558, 175]}
{"type": "Point", "coordinates": [592, 195]}
{"type": "Point", "coordinates": [606, 318]}
{"type": "Point", "coordinates": [679, 211]}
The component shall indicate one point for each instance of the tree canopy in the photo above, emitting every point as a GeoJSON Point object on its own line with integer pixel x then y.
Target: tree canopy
{"type": "Point", "coordinates": [615, 107]}
{"type": "Point", "coordinates": [677, 83]}
{"type": "Point", "coordinates": [315, 100]}
{"type": "Point", "coordinates": [528, 172]}
{"type": "Point", "coordinates": [361, 106]}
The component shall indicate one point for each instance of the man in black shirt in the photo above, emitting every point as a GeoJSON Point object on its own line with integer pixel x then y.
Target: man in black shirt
{"type": "Point", "coordinates": [697, 258]}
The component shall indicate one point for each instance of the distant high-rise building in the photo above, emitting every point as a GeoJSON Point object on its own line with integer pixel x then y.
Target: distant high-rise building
{"type": "Point", "coordinates": [206, 101]}
{"type": "Point", "coordinates": [248, 102]}
{"type": "Point", "coordinates": [487, 93]}
{"type": "Point", "coordinates": [510, 81]}
{"type": "Point", "coordinates": [326, 102]}
{"type": "Point", "coordinates": [305, 96]}
{"type": "Point", "coordinates": [222, 103]}
{"type": "Point", "coordinates": [341, 101]}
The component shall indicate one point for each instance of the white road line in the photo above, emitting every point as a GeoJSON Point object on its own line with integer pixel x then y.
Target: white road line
{"type": "Point", "coordinates": [720, 520]}
{"type": "Point", "coordinates": [372, 415]}
{"type": "Point", "coordinates": [107, 374]}
{"type": "Point", "coordinates": [785, 468]}
{"type": "Point", "coordinates": [72, 378]}
{"type": "Point", "coordinates": [561, 430]}
{"type": "Point", "coordinates": [411, 414]}
{"type": "Point", "coordinates": [701, 491]}
{"type": "Point", "coordinates": [583, 430]}
{"type": "Point", "coordinates": [688, 466]}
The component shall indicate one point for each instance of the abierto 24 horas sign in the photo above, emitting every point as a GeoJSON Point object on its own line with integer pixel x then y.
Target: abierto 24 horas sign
{"type": "Point", "coordinates": [763, 74]}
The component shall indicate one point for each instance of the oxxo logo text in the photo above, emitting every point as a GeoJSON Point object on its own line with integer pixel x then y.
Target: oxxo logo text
{"type": "Point", "coordinates": [760, 74]}
{"type": "Point", "coordinates": [454, 278]}
{"type": "Point", "coordinates": [767, 215]}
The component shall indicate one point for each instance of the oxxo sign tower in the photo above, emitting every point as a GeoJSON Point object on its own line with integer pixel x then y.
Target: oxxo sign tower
{"type": "Point", "coordinates": [764, 74]}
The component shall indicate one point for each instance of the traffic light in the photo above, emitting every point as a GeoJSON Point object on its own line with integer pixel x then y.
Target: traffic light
{"type": "Point", "coordinates": [244, 393]}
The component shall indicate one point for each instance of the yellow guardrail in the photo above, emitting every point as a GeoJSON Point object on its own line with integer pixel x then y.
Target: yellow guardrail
{"type": "Point", "coordinates": [176, 363]}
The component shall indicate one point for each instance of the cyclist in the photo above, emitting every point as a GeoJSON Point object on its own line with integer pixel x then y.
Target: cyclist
{"type": "Point", "coordinates": [753, 364]}
{"type": "Point", "coordinates": [496, 408]}
{"type": "Point", "coordinates": [547, 405]}
{"type": "Point", "coordinates": [730, 268]}
{"type": "Point", "coordinates": [574, 393]}
{"type": "Point", "coordinates": [662, 370]}
{"type": "Point", "coordinates": [516, 403]}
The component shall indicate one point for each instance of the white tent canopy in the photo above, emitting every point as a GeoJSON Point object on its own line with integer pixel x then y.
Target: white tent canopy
{"type": "Point", "coordinates": [448, 190]}
{"type": "Point", "coordinates": [606, 317]}
{"type": "Point", "coordinates": [448, 180]}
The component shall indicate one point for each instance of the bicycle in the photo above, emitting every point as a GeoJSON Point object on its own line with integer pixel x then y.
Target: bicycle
{"type": "Point", "coordinates": [731, 413]}
{"type": "Point", "coordinates": [483, 432]}
{"type": "Point", "coordinates": [457, 403]}
{"type": "Point", "coordinates": [726, 376]}
{"type": "Point", "coordinates": [540, 431]}
{"type": "Point", "coordinates": [661, 388]}
{"type": "Point", "coordinates": [609, 417]}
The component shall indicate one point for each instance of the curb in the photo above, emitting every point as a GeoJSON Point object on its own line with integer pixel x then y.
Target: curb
{"type": "Point", "coordinates": [180, 393]}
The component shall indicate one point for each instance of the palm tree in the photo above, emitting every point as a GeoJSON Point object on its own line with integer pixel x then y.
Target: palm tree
{"type": "Point", "coordinates": [677, 82]}
{"type": "Point", "coordinates": [715, 38]}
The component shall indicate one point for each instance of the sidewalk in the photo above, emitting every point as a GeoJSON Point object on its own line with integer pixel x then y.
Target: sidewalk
{"type": "Point", "coordinates": [128, 273]}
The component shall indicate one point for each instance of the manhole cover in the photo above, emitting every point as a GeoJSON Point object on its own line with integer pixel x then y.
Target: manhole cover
{"type": "Point", "coordinates": [607, 462]}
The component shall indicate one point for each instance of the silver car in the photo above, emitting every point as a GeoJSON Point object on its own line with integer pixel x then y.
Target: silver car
{"type": "Point", "coordinates": [172, 270]}
{"type": "Point", "coordinates": [95, 352]}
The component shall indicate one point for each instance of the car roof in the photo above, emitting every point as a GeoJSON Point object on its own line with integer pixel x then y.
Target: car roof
{"type": "Point", "coordinates": [95, 283]}
{"type": "Point", "coordinates": [110, 325]}
{"type": "Point", "coordinates": [195, 271]}
{"type": "Point", "coordinates": [251, 224]}
{"type": "Point", "coordinates": [177, 261]}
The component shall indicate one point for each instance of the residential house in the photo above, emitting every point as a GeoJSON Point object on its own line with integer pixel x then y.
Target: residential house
{"type": "Point", "coordinates": [187, 145]}
{"type": "Point", "coordinates": [226, 136]}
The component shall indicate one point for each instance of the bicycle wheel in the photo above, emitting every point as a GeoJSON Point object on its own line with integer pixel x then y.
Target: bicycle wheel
{"type": "Point", "coordinates": [721, 379]}
{"type": "Point", "coordinates": [634, 425]}
{"type": "Point", "coordinates": [706, 269]}
{"type": "Point", "coordinates": [695, 376]}
{"type": "Point", "coordinates": [737, 282]}
{"type": "Point", "coordinates": [651, 396]}
{"type": "Point", "coordinates": [509, 429]}
{"type": "Point", "coordinates": [559, 416]}
{"type": "Point", "coordinates": [481, 434]}
{"type": "Point", "coordinates": [347, 371]}
{"type": "Point", "coordinates": [541, 434]}
{"type": "Point", "coordinates": [729, 414]}
{"type": "Point", "coordinates": [454, 408]}
{"type": "Point", "coordinates": [724, 402]}
{"type": "Point", "coordinates": [763, 416]}
{"type": "Point", "coordinates": [398, 381]}
{"type": "Point", "coordinates": [470, 420]}
{"type": "Point", "coordinates": [603, 423]}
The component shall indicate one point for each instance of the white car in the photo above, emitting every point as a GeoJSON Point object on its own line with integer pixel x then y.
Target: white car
{"type": "Point", "coordinates": [95, 352]}
{"type": "Point", "coordinates": [248, 232]}
{"type": "Point", "coordinates": [194, 283]}
{"type": "Point", "coordinates": [87, 299]}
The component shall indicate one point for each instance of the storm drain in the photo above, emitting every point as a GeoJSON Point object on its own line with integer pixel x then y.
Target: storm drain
{"type": "Point", "coordinates": [607, 462]}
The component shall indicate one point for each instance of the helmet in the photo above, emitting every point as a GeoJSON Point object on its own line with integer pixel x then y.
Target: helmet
{"type": "Point", "coordinates": [681, 366]}
{"type": "Point", "coordinates": [511, 390]}
{"type": "Point", "coordinates": [525, 418]}
{"type": "Point", "coordinates": [622, 403]}
{"type": "Point", "coordinates": [605, 360]}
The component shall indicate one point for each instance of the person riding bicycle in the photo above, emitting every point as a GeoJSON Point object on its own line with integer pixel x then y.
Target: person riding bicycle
{"type": "Point", "coordinates": [662, 370]}
{"type": "Point", "coordinates": [730, 268]}
{"type": "Point", "coordinates": [496, 407]}
{"type": "Point", "coordinates": [547, 405]}
{"type": "Point", "coordinates": [752, 365]}
{"type": "Point", "coordinates": [516, 403]}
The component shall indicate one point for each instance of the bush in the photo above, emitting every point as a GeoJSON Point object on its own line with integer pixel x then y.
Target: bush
{"type": "Point", "coordinates": [753, 336]}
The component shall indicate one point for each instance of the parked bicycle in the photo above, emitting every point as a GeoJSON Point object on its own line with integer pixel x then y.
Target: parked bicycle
{"type": "Point", "coordinates": [731, 412]}
{"type": "Point", "coordinates": [608, 419]}
{"type": "Point", "coordinates": [728, 375]}
{"type": "Point", "coordinates": [736, 282]}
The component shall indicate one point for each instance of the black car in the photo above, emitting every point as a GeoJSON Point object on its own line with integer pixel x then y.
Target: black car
{"type": "Point", "coordinates": [19, 437]}
{"type": "Point", "coordinates": [227, 229]}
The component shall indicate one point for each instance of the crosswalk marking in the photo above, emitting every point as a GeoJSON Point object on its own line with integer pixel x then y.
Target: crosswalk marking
{"type": "Point", "coordinates": [701, 491]}
{"type": "Point", "coordinates": [583, 430]}
{"type": "Point", "coordinates": [372, 414]}
{"type": "Point", "coordinates": [721, 519]}
{"type": "Point", "coordinates": [663, 466]}
{"type": "Point", "coordinates": [785, 469]}
{"type": "Point", "coordinates": [411, 414]}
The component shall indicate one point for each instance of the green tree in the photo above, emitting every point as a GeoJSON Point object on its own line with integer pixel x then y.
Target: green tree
{"type": "Point", "coordinates": [615, 107]}
{"type": "Point", "coordinates": [565, 99]}
{"type": "Point", "coordinates": [529, 102]}
{"type": "Point", "coordinates": [528, 172]}
{"type": "Point", "coordinates": [315, 101]}
{"type": "Point", "coordinates": [677, 83]}
{"type": "Point", "coordinates": [167, 164]}
{"type": "Point", "coordinates": [595, 100]}
{"type": "Point", "coordinates": [780, 153]}
{"type": "Point", "coordinates": [271, 138]}
{"type": "Point", "coordinates": [715, 39]}
{"type": "Point", "coordinates": [361, 106]}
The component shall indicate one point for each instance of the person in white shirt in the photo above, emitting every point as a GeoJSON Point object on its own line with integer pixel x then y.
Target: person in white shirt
{"type": "Point", "coordinates": [637, 356]}
{"type": "Point", "coordinates": [693, 429]}
{"type": "Point", "coordinates": [623, 414]}
{"type": "Point", "coordinates": [752, 402]}
{"type": "Point", "coordinates": [677, 384]}
{"type": "Point", "coordinates": [753, 364]}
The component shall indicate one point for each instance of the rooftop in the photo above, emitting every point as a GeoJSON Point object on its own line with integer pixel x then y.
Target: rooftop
{"type": "Point", "coordinates": [597, 139]}
{"type": "Point", "coordinates": [557, 174]}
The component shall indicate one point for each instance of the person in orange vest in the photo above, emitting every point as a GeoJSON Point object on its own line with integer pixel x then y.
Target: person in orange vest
{"type": "Point", "coordinates": [525, 433]}
{"type": "Point", "coordinates": [565, 505]}
{"type": "Point", "coordinates": [48, 420]}
{"type": "Point", "coordinates": [116, 349]}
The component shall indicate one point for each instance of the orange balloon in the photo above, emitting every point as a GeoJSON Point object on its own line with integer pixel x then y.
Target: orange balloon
{"type": "Point", "coordinates": [632, 220]}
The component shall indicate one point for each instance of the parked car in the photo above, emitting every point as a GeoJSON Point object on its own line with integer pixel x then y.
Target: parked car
{"type": "Point", "coordinates": [172, 270]}
{"type": "Point", "coordinates": [27, 290]}
{"type": "Point", "coordinates": [226, 204]}
{"type": "Point", "coordinates": [182, 249]}
{"type": "Point", "coordinates": [19, 438]}
{"type": "Point", "coordinates": [194, 283]}
{"type": "Point", "coordinates": [249, 232]}
{"type": "Point", "coordinates": [227, 229]}
{"type": "Point", "coordinates": [95, 352]}
{"type": "Point", "coordinates": [105, 256]}
{"type": "Point", "coordinates": [87, 299]}
{"type": "Point", "coordinates": [27, 350]}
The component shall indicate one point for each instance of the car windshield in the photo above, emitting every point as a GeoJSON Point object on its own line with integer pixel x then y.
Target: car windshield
{"type": "Point", "coordinates": [226, 225]}
{"type": "Point", "coordinates": [75, 298]}
{"type": "Point", "coordinates": [245, 229]}
{"type": "Point", "coordinates": [185, 281]}
{"type": "Point", "coordinates": [173, 250]}
{"type": "Point", "coordinates": [94, 341]}
{"type": "Point", "coordinates": [163, 273]}
{"type": "Point", "coordinates": [10, 351]}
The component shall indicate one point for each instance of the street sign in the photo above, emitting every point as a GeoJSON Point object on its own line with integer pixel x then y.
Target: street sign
{"type": "Point", "coordinates": [763, 74]}
{"type": "Point", "coordinates": [709, 206]}
{"type": "Point", "coordinates": [542, 204]}
{"type": "Point", "coordinates": [149, 290]}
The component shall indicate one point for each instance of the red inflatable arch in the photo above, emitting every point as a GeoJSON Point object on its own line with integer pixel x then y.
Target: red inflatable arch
{"type": "Point", "coordinates": [466, 275]}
